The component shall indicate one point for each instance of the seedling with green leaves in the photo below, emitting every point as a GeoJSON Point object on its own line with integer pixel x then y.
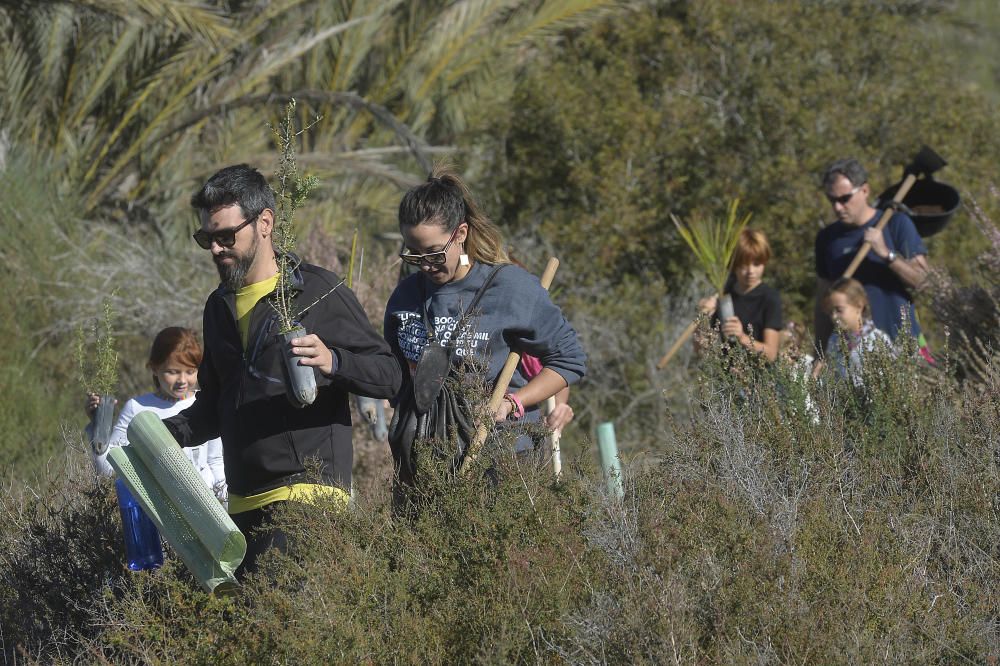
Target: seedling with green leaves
{"type": "Point", "coordinates": [713, 242]}
{"type": "Point", "coordinates": [97, 359]}
{"type": "Point", "coordinates": [97, 362]}
{"type": "Point", "coordinates": [293, 190]}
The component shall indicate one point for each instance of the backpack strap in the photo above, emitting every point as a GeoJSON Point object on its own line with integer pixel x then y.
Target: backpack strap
{"type": "Point", "coordinates": [482, 290]}
{"type": "Point", "coordinates": [431, 335]}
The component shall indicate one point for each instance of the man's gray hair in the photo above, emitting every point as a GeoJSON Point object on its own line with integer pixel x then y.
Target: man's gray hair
{"type": "Point", "coordinates": [849, 168]}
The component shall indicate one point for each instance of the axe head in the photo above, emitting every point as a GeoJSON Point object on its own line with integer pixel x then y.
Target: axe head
{"type": "Point", "coordinates": [924, 163]}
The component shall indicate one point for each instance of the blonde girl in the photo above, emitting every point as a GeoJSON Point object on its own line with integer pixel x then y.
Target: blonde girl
{"type": "Point", "coordinates": [854, 331]}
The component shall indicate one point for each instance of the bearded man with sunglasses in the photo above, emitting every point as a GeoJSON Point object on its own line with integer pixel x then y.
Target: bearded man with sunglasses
{"type": "Point", "coordinates": [267, 440]}
{"type": "Point", "coordinates": [896, 263]}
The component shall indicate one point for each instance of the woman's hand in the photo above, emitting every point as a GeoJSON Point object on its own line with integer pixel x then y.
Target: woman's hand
{"type": "Point", "coordinates": [503, 411]}
{"type": "Point", "coordinates": [314, 353]}
{"type": "Point", "coordinates": [368, 409]}
{"type": "Point", "coordinates": [559, 417]}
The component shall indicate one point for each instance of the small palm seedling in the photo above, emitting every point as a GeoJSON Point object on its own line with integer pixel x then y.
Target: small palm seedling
{"type": "Point", "coordinates": [97, 362]}
{"type": "Point", "coordinates": [713, 242]}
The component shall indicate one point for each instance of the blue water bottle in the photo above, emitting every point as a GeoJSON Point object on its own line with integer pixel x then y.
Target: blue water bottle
{"type": "Point", "coordinates": [143, 549]}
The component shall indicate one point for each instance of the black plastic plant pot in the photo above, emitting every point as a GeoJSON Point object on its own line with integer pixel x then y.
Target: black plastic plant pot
{"type": "Point", "coordinates": [301, 387]}
{"type": "Point", "coordinates": [933, 204]}
{"type": "Point", "coordinates": [104, 421]}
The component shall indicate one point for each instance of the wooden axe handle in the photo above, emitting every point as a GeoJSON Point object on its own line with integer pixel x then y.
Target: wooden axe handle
{"type": "Point", "coordinates": [503, 381]}
{"type": "Point", "coordinates": [884, 218]}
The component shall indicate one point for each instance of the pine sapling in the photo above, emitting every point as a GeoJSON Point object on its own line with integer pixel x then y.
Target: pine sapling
{"type": "Point", "coordinates": [293, 190]}
{"type": "Point", "coordinates": [97, 359]}
{"type": "Point", "coordinates": [97, 363]}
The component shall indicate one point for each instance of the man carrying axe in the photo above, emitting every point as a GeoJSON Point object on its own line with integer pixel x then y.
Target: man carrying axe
{"type": "Point", "coordinates": [896, 263]}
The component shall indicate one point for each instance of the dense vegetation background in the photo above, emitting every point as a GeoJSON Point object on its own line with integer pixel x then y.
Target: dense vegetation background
{"type": "Point", "coordinates": [581, 125]}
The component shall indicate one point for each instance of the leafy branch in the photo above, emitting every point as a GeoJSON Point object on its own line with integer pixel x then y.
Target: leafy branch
{"type": "Point", "coordinates": [293, 190]}
{"type": "Point", "coordinates": [97, 360]}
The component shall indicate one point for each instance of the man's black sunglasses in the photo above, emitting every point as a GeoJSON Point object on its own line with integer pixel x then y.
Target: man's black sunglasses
{"type": "Point", "coordinates": [843, 198]}
{"type": "Point", "coordinates": [225, 237]}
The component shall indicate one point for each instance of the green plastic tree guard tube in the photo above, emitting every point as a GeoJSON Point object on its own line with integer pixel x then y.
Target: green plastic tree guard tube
{"type": "Point", "coordinates": [610, 463]}
{"type": "Point", "coordinates": [177, 500]}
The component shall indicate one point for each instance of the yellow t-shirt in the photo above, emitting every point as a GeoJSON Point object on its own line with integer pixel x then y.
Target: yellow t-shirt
{"type": "Point", "coordinates": [298, 492]}
{"type": "Point", "coordinates": [246, 299]}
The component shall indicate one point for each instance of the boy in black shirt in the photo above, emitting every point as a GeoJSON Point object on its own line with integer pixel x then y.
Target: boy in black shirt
{"type": "Point", "coordinates": [757, 324]}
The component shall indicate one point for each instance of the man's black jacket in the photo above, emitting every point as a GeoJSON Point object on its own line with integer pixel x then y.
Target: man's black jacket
{"type": "Point", "coordinates": [266, 440]}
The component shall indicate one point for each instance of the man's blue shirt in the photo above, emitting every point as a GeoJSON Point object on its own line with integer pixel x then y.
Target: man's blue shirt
{"type": "Point", "coordinates": [888, 295]}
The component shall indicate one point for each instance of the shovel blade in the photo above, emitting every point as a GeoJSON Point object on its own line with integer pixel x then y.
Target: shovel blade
{"type": "Point", "coordinates": [433, 368]}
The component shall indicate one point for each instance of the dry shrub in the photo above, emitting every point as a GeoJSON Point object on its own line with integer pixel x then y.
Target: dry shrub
{"type": "Point", "coordinates": [860, 527]}
{"type": "Point", "coordinates": [972, 311]}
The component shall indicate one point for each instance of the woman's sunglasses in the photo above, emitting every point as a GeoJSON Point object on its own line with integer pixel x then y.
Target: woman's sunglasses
{"type": "Point", "coordinates": [431, 258]}
{"type": "Point", "coordinates": [225, 238]}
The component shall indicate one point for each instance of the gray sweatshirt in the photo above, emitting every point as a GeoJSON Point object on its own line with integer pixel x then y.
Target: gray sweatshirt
{"type": "Point", "coordinates": [515, 313]}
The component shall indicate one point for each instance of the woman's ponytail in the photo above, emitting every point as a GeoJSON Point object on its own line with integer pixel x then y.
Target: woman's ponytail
{"type": "Point", "coordinates": [446, 200]}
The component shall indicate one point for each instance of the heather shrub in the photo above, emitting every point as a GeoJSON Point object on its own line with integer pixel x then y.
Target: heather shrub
{"type": "Point", "coordinates": [971, 308]}
{"type": "Point", "coordinates": [787, 520]}
{"type": "Point", "coordinates": [60, 549]}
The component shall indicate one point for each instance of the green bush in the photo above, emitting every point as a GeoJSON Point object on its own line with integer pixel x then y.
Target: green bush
{"type": "Point", "coordinates": [779, 519]}
{"type": "Point", "coordinates": [679, 107]}
{"type": "Point", "coordinates": [858, 527]}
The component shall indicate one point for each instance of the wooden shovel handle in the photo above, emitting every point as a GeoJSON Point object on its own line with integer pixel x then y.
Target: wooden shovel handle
{"type": "Point", "coordinates": [884, 218]}
{"type": "Point", "coordinates": [503, 381]}
{"type": "Point", "coordinates": [685, 335]}
{"type": "Point", "coordinates": [549, 273]}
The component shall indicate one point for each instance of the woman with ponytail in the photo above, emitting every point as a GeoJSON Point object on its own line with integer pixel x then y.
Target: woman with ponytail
{"type": "Point", "coordinates": [466, 302]}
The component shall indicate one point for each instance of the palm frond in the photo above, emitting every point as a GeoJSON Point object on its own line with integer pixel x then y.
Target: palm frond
{"type": "Point", "coordinates": [470, 38]}
{"type": "Point", "coordinates": [713, 242]}
{"type": "Point", "coordinates": [138, 100]}
{"type": "Point", "coordinates": [272, 60]}
{"type": "Point", "coordinates": [115, 59]}
{"type": "Point", "coordinates": [185, 17]}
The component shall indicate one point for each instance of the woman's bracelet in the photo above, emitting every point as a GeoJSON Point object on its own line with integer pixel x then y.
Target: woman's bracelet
{"type": "Point", "coordinates": [517, 412]}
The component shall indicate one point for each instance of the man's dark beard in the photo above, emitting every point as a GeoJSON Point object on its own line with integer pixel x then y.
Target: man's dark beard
{"type": "Point", "coordinates": [234, 274]}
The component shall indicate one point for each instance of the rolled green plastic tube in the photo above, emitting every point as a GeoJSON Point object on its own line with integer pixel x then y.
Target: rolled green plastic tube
{"type": "Point", "coordinates": [610, 463]}
{"type": "Point", "coordinates": [176, 499]}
